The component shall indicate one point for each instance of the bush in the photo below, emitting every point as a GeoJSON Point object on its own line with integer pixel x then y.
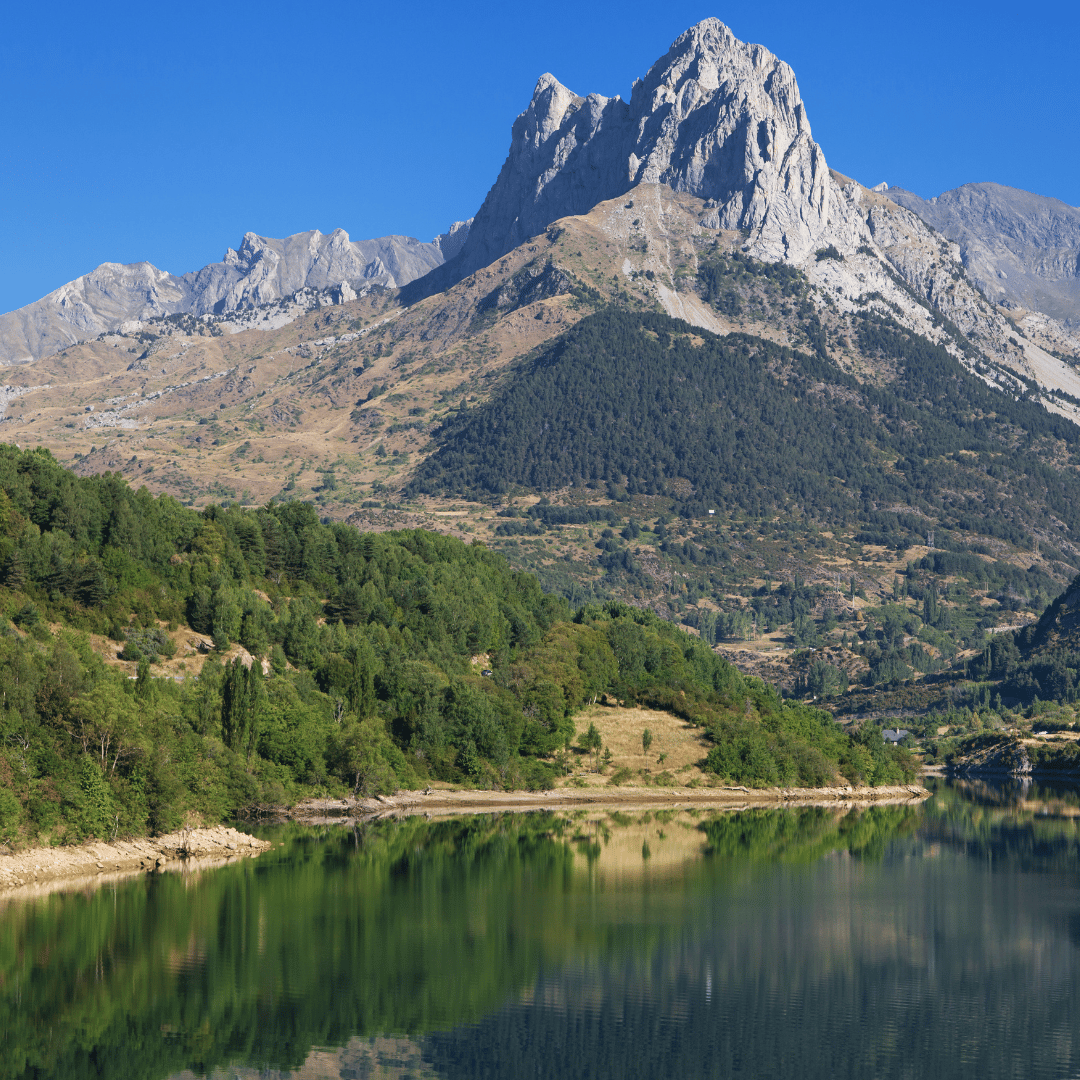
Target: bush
{"type": "Point", "coordinates": [27, 617]}
{"type": "Point", "coordinates": [536, 775]}
{"type": "Point", "coordinates": [10, 815]}
{"type": "Point", "coordinates": [147, 645]}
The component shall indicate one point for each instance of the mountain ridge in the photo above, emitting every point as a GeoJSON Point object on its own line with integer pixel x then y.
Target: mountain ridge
{"type": "Point", "coordinates": [259, 271]}
{"type": "Point", "coordinates": [713, 117]}
{"type": "Point", "coordinates": [872, 324]}
{"type": "Point", "coordinates": [1022, 249]}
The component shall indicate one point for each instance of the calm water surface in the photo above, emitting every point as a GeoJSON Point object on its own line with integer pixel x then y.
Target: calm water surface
{"type": "Point", "coordinates": [933, 941]}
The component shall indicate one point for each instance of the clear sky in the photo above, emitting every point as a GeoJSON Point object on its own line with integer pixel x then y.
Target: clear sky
{"type": "Point", "coordinates": [137, 131]}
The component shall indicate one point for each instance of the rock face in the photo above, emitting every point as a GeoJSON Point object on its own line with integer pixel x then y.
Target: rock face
{"type": "Point", "coordinates": [261, 270]}
{"type": "Point", "coordinates": [1023, 250]}
{"type": "Point", "coordinates": [715, 117]}
{"type": "Point", "coordinates": [101, 300]}
{"type": "Point", "coordinates": [1004, 755]}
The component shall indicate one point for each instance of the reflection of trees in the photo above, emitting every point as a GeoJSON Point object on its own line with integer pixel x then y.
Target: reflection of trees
{"type": "Point", "coordinates": [933, 961]}
{"type": "Point", "coordinates": [415, 926]}
{"type": "Point", "coordinates": [407, 926]}
{"type": "Point", "coordinates": [396, 926]}
{"type": "Point", "coordinates": [1027, 827]}
{"type": "Point", "coordinates": [805, 835]}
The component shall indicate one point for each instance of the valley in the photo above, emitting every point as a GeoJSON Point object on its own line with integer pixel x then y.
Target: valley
{"type": "Point", "coordinates": [762, 402]}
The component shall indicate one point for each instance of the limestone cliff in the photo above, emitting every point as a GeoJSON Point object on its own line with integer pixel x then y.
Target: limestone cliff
{"type": "Point", "coordinates": [714, 117]}
{"type": "Point", "coordinates": [262, 269]}
{"type": "Point", "coordinates": [1023, 250]}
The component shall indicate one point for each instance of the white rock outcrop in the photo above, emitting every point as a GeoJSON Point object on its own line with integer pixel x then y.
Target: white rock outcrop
{"type": "Point", "coordinates": [714, 117]}
{"type": "Point", "coordinates": [262, 269]}
{"type": "Point", "coordinates": [1023, 250]}
{"type": "Point", "coordinates": [99, 301]}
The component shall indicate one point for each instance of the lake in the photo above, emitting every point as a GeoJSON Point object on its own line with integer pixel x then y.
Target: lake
{"type": "Point", "coordinates": [937, 940]}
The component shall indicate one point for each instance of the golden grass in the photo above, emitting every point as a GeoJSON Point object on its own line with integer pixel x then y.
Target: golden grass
{"type": "Point", "coordinates": [628, 845]}
{"type": "Point", "coordinates": [684, 747]}
{"type": "Point", "coordinates": [188, 660]}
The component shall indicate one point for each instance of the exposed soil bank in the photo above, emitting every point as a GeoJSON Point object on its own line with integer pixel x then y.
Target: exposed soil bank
{"type": "Point", "coordinates": [726, 798]}
{"type": "Point", "coordinates": [43, 870]}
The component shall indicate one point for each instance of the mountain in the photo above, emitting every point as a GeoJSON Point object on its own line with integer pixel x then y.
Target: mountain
{"type": "Point", "coordinates": [262, 270]}
{"type": "Point", "coordinates": [723, 121]}
{"type": "Point", "coordinates": [685, 199]}
{"type": "Point", "coordinates": [1023, 250]}
{"type": "Point", "coordinates": [714, 117]}
{"type": "Point", "coordinates": [725, 325]}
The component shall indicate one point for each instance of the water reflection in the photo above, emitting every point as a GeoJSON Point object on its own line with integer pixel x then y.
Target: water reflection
{"type": "Point", "coordinates": [895, 941]}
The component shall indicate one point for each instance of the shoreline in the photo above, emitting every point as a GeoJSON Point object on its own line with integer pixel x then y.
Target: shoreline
{"type": "Point", "coordinates": [39, 871]}
{"type": "Point", "coordinates": [42, 870]}
{"type": "Point", "coordinates": [1070, 776]}
{"type": "Point", "coordinates": [447, 802]}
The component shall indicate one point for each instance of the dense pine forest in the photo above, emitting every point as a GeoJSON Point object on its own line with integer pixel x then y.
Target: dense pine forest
{"type": "Point", "coordinates": [379, 661]}
{"type": "Point", "coordinates": [642, 404]}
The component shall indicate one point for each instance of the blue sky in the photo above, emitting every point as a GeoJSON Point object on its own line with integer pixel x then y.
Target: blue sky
{"type": "Point", "coordinates": [164, 132]}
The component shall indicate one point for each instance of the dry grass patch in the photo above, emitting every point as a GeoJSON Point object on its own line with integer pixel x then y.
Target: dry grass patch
{"type": "Point", "coordinates": [631, 845]}
{"type": "Point", "coordinates": [683, 746]}
{"type": "Point", "coordinates": [192, 650]}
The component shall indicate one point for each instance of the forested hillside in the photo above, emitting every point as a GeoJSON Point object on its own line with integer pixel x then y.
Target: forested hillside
{"type": "Point", "coordinates": [390, 659]}
{"type": "Point", "coordinates": [1042, 661]}
{"type": "Point", "coordinates": [642, 401]}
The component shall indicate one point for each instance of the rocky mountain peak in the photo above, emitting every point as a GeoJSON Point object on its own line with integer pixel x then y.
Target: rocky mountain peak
{"type": "Point", "coordinates": [1022, 249]}
{"type": "Point", "coordinates": [259, 271]}
{"type": "Point", "coordinates": [551, 102]}
{"type": "Point", "coordinates": [714, 117]}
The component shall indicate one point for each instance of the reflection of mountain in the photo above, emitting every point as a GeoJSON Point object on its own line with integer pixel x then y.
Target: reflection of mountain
{"type": "Point", "coordinates": [758, 994]}
{"type": "Point", "coordinates": [532, 945]}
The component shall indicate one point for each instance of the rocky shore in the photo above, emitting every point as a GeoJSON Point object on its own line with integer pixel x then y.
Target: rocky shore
{"type": "Point", "coordinates": [39, 871]}
{"type": "Point", "coordinates": [42, 870]}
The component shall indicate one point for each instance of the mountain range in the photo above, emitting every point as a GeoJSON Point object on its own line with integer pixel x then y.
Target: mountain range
{"type": "Point", "coordinates": [259, 272]}
{"type": "Point", "coordinates": [714, 118]}
{"type": "Point", "coordinates": [1022, 250]}
{"type": "Point", "coordinates": [669, 321]}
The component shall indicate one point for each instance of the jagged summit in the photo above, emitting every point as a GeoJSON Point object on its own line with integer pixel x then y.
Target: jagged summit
{"type": "Point", "coordinates": [714, 117]}
{"type": "Point", "coordinates": [261, 270]}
